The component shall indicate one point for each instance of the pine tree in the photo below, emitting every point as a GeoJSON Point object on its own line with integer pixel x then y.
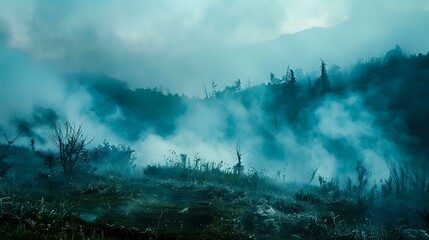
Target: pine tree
{"type": "Point", "coordinates": [323, 85]}
{"type": "Point", "coordinates": [292, 84]}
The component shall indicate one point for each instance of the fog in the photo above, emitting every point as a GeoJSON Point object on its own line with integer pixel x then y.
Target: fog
{"type": "Point", "coordinates": [50, 54]}
{"type": "Point", "coordinates": [181, 45]}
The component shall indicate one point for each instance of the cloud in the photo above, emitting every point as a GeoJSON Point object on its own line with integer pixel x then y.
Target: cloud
{"type": "Point", "coordinates": [350, 132]}
{"type": "Point", "coordinates": [343, 129]}
{"type": "Point", "coordinates": [26, 81]}
{"type": "Point", "coordinates": [35, 96]}
{"type": "Point", "coordinates": [153, 43]}
{"type": "Point", "coordinates": [183, 44]}
{"type": "Point", "coordinates": [166, 24]}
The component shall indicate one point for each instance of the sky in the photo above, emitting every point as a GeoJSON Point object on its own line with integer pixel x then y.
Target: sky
{"type": "Point", "coordinates": [181, 45]}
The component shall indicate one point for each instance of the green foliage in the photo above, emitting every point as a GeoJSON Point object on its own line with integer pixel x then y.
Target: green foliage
{"type": "Point", "coordinates": [329, 188]}
{"type": "Point", "coordinates": [406, 182]}
{"type": "Point", "coordinates": [113, 158]}
{"type": "Point", "coordinates": [179, 167]}
{"type": "Point", "coordinates": [292, 83]}
{"type": "Point", "coordinates": [307, 197]}
{"type": "Point", "coordinates": [362, 179]}
{"type": "Point", "coordinates": [232, 89]}
{"type": "Point", "coordinates": [274, 80]}
{"type": "Point", "coordinates": [189, 197]}
{"type": "Point", "coordinates": [358, 190]}
{"type": "Point", "coordinates": [323, 84]}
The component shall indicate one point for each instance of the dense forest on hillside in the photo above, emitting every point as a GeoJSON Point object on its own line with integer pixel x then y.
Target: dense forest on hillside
{"type": "Point", "coordinates": [392, 87]}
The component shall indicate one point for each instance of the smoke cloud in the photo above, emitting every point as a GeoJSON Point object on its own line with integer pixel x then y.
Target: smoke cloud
{"type": "Point", "coordinates": [62, 61]}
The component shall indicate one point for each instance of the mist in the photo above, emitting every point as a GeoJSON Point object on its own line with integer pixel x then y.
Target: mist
{"type": "Point", "coordinates": [183, 45]}
{"type": "Point", "coordinates": [329, 133]}
{"type": "Point", "coordinates": [299, 119]}
{"type": "Point", "coordinates": [98, 64]}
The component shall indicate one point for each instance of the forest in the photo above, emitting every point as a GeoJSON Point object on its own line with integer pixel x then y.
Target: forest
{"type": "Point", "coordinates": [337, 153]}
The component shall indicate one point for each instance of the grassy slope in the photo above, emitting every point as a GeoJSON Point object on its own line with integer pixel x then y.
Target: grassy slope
{"type": "Point", "coordinates": [193, 204]}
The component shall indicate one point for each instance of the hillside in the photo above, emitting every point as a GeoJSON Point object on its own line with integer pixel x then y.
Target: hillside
{"type": "Point", "coordinates": [337, 155]}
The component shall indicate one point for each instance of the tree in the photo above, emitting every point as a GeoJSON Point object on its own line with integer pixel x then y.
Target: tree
{"type": "Point", "coordinates": [49, 160]}
{"type": "Point", "coordinates": [214, 86]}
{"type": "Point", "coordinates": [362, 178]}
{"type": "Point", "coordinates": [234, 88]}
{"type": "Point", "coordinates": [274, 80]}
{"type": "Point", "coordinates": [394, 55]}
{"type": "Point", "coordinates": [322, 83]}
{"type": "Point", "coordinates": [237, 85]}
{"type": "Point", "coordinates": [205, 91]}
{"type": "Point", "coordinates": [292, 84]}
{"type": "Point", "coordinates": [5, 166]}
{"type": "Point", "coordinates": [70, 143]}
{"type": "Point", "coordinates": [238, 168]}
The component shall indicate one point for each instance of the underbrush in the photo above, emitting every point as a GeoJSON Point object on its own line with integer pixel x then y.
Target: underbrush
{"type": "Point", "coordinates": [202, 172]}
{"type": "Point", "coordinates": [202, 200]}
{"type": "Point", "coordinates": [152, 206]}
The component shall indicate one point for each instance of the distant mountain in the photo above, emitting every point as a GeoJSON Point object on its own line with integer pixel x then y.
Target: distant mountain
{"type": "Point", "coordinates": [343, 45]}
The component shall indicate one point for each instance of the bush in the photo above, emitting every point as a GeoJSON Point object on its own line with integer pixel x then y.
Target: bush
{"type": "Point", "coordinates": [72, 157]}
{"type": "Point", "coordinates": [329, 188]}
{"type": "Point", "coordinates": [111, 157]}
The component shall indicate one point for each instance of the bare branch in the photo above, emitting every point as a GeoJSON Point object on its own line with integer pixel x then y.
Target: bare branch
{"type": "Point", "coordinates": [71, 144]}
{"type": "Point", "coordinates": [4, 166]}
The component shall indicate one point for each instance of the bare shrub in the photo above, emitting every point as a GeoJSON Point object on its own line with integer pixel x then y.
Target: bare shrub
{"type": "Point", "coordinates": [70, 143]}
{"type": "Point", "coordinates": [5, 166]}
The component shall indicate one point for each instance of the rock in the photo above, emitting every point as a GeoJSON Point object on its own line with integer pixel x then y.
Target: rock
{"type": "Point", "coordinates": [262, 219]}
{"type": "Point", "coordinates": [185, 210]}
{"type": "Point", "coordinates": [265, 211]}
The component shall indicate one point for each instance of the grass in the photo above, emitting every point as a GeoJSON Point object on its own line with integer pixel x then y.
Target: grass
{"type": "Point", "coordinates": [178, 201]}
